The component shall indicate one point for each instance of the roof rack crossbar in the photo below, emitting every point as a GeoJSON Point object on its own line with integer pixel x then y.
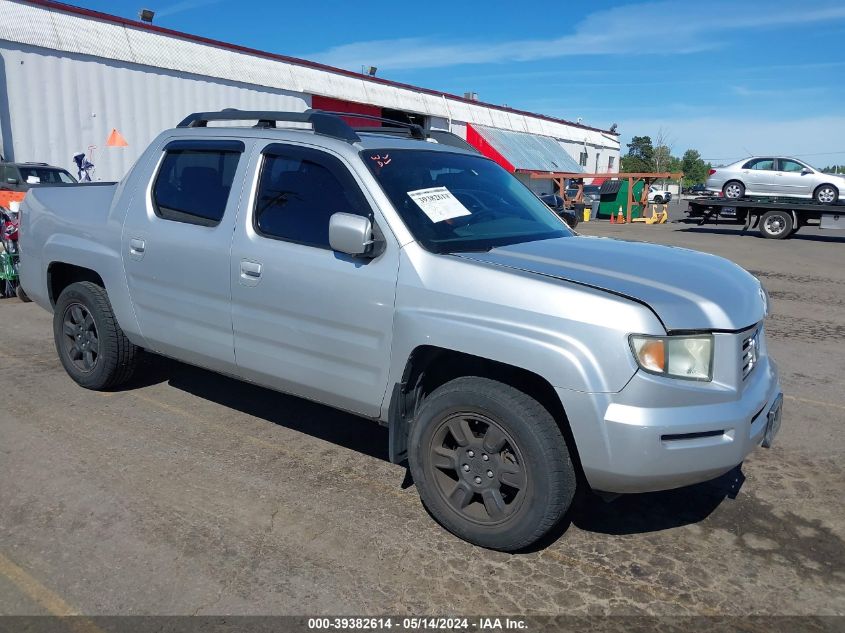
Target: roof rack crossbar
{"type": "Point", "coordinates": [415, 130]}
{"type": "Point", "coordinates": [326, 123]}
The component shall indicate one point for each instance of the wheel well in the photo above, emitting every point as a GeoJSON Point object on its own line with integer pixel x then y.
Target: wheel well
{"type": "Point", "coordinates": [826, 184]}
{"type": "Point", "coordinates": [429, 367]}
{"type": "Point", "coordinates": [60, 275]}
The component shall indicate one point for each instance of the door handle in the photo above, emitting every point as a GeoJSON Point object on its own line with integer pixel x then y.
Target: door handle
{"type": "Point", "coordinates": [136, 246]}
{"type": "Point", "coordinates": [250, 269]}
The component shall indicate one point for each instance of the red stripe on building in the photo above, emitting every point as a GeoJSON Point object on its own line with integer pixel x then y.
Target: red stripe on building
{"type": "Point", "coordinates": [480, 143]}
{"type": "Point", "coordinates": [339, 105]}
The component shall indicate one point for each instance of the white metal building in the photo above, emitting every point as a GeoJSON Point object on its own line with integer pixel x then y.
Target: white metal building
{"type": "Point", "coordinates": [69, 76]}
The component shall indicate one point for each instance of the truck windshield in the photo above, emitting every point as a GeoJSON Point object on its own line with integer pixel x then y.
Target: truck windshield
{"type": "Point", "coordinates": [459, 202]}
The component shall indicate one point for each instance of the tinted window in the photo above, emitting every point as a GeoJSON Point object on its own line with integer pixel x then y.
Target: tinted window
{"type": "Point", "coordinates": [760, 163]}
{"type": "Point", "coordinates": [483, 206]}
{"type": "Point", "coordinates": [790, 165]}
{"type": "Point", "coordinates": [299, 190]}
{"type": "Point", "coordinates": [193, 185]}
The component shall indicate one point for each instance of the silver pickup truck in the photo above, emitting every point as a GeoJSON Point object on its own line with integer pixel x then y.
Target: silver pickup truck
{"type": "Point", "coordinates": [420, 285]}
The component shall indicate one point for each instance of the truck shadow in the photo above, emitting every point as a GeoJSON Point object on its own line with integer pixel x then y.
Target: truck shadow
{"type": "Point", "coordinates": [627, 514]}
{"type": "Point", "coordinates": [325, 423]}
{"type": "Point", "coordinates": [656, 511]}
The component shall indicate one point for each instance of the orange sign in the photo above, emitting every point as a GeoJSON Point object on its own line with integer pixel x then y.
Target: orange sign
{"type": "Point", "coordinates": [116, 139]}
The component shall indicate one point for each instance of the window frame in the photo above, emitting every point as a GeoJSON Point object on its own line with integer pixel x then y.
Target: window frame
{"type": "Point", "coordinates": [196, 145]}
{"type": "Point", "coordinates": [792, 160]}
{"type": "Point", "coordinates": [324, 159]}
{"type": "Point", "coordinates": [759, 160]}
{"type": "Point", "coordinates": [583, 158]}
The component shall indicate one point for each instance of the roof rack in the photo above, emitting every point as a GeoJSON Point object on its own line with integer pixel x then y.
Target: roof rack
{"type": "Point", "coordinates": [414, 129]}
{"type": "Point", "coordinates": [329, 124]}
{"type": "Point", "coordinates": [326, 123]}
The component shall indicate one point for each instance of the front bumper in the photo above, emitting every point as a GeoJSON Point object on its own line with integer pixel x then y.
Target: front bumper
{"type": "Point", "coordinates": [659, 433]}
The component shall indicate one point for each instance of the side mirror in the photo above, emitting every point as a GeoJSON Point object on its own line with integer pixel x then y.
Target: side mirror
{"type": "Point", "coordinates": [12, 181]}
{"type": "Point", "coordinates": [806, 171]}
{"type": "Point", "coordinates": [351, 234]}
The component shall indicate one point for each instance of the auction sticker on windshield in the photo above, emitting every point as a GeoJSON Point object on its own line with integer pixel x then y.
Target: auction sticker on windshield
{"type": "Point", "coordinates": [438, 203]}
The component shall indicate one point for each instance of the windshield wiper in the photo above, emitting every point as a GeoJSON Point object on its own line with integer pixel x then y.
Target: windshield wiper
{"type": "Point", "coordinates": [466, 249]}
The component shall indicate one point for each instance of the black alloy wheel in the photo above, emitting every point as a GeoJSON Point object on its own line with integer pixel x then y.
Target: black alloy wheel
{"type": "Point", "coordinates": [477, 468]}
{"type": "Point", "coordinates": [490, 463]}
{"type": "Point", "coordinates": [81, 343]}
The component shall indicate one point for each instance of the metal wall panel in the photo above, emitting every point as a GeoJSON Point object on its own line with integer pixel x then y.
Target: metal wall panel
{"type": "Point", "coordinates": [60, 33]}
{"type": "Point", "coordinates": [59, 105]}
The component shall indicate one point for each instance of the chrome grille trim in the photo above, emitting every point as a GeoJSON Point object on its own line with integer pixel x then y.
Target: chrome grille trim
{"type": "Point", "coordinates": [749, 354]}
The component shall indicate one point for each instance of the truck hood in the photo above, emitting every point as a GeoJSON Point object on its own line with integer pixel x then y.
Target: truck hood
{"type": "Point", "coordinates": [686, 289]}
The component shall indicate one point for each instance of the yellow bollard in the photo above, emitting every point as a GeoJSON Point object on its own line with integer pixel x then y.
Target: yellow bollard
{"type": "Point", "coordinates": [587, 214]}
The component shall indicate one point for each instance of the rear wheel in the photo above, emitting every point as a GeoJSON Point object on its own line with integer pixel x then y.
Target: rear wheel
{"type": "Point", "coordinates": [658, 199]}
{"type": "Point", "coordinates": [733, 189]}
{"type": "Point", "coordinates": [91, 346]}
{"type": "Point", "coordinates": [826, 194]}
{"type": "Point", "coordinates": [776, 225]}
{"type": "Point", "coordinates": [490, 463]}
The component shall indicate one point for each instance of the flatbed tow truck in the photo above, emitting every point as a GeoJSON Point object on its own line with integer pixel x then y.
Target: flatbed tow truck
{"type": "Point", "coordinates": [775, 218]}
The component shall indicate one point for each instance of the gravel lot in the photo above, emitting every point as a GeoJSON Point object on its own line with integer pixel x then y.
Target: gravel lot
{"type": "Point", "coordinates": [191, 493]}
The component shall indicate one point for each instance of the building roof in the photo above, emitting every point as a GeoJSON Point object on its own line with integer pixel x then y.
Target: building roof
{"type": "Point", "coordinates": [374, 83]}
{"type": "Point", "coordinates": [527, 152]}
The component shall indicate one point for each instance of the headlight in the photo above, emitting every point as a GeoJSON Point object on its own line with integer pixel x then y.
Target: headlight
{"type": "Point", "coordinates": [689, 357]}
{"type": "Point", "coordinates": [766, 303]}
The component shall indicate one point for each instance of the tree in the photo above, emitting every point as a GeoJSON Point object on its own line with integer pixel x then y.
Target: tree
{"type": "Point", "coordinates": [662, 150]}
{"type": "Point", "coordinates": [640, 156]}
{"type": "Point", "coordinates": [694, 168]}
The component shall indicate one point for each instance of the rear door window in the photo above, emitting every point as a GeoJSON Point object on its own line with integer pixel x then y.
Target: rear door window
{"type": "Point", "coordinates": [765, 164]}
{"type": "Point", "coordinates": [194, 181]}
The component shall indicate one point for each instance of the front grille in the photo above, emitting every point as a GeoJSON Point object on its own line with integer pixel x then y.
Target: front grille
{"type": "Point", "coordinates": [750, 353]}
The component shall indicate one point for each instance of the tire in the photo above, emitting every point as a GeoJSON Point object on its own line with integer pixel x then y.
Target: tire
{"type": "Point", "coordinates": [22, 295]}
{"type": "Point", "coordinates": [776, 225]}
{"type": "Point", "coordinates": [733, 190]}
{"type": "Point", "coordinates": [471, 427]}
{"type": "Point", "coordinates": [658, 200]}
{"type": "Point", "coordinates": [826, 194]}
{"type": "Point", "coordinates": [91, 346]}
{"type": "Point", "coordinates": [572, 221]}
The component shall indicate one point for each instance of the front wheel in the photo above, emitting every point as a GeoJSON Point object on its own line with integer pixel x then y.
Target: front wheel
{"type": "Point", "coordinates": [776, 225]}
{"type": "Point", "coordinates": [826, 194]}
{"type": "Point", "coordinates": [490, 463]}
{"type": "Point", "coordinates": [658, 200]}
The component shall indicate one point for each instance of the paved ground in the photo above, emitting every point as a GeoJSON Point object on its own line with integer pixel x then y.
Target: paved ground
{"type": "Point", "coordinates": [192, 493]}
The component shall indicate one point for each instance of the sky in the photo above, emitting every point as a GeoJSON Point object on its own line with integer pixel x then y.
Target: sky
{"type": "Point", "coordinates": [729, 78]}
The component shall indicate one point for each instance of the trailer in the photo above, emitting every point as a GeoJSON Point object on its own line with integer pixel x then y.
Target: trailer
{"type": "Point", "coordinates": [775, 218]}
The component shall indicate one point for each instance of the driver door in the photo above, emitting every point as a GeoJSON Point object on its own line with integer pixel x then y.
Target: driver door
{"type": "Point", "coordinates": [308, 320]}
{"type": "Point", "coordinates": [789, 179]}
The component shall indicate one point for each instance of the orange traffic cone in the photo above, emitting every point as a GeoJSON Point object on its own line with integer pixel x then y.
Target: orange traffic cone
{"type": "Point", "coordinates": [612, 218]}
{"type": "Point", "coordinates": [620, 219]}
